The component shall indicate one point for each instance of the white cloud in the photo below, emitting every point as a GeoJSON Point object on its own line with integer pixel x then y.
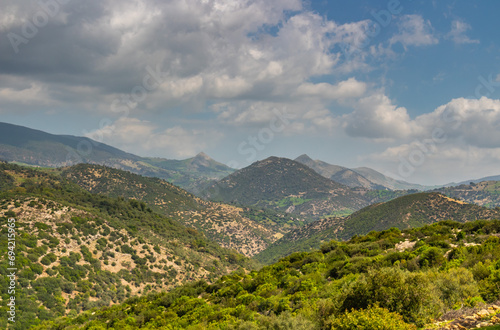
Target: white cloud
{"type": "Point", "coordinates": [145, 138]}
{"type": "Point", "coordinates": [459, 137]}
{"type": "Point", "coordinates": [376, 117]}
{"type": "Point", "coordinates": [457, 33]}
{"type": "Point", "coordinates": [350, 88]}
{"type": "Point", "coordinates": [414, 31]}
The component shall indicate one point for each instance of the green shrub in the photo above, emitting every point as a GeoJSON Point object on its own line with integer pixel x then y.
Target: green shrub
{"type": "Point", "coordinates": [373, 318]}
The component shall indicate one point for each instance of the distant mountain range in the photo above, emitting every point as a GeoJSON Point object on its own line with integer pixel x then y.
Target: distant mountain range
{"type": "Point", "coordinates": [359, 177]}
{"type": "Point", "coordinates": [34, 147]}
{"type": "Point", "coordinates": [404, 212]}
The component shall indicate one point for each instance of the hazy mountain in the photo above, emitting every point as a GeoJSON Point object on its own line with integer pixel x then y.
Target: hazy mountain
{"type": "Point", "coordinates": [487, 178]}
{"type": "Point", "coordinates": [359, 177]}
{"type": "Point", "coordinates": [195, 173]}
{"type": "Point", "coordinates": [232, 227]}
{"type": "Point", "coordinates": [34, 147]}
{"type": "Point", "coordinates": [290, 186]}
{"type": "Point", "coordinates": [337, 173]}
{"type": "Point", "coordinates": [388, 182]}
{"type": "Point", "coordinates": [404, 212]}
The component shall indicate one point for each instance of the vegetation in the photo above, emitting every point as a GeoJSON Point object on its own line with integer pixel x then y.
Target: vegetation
{"type": "Point", "coordinates": [244, 229]}
{"type": "Point", "coordinates": [404, 212]}
{"type": "Point", "coordinates": [390, 279]}
{"type": "Point", "coordinates": [76, 250]}
{"type": "Point", "coordinates": [486, 193]}
{"type": "Point", "coordinates": [288, 186]}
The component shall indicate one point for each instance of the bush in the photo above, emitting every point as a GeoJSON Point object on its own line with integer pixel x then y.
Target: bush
{"type": "Point", "coordinates": [373, 318]}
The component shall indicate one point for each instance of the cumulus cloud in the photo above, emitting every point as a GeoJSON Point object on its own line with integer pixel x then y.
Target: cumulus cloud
{"type": "Point", "coordinates": [457, 33]}
{"type": "Point", "coordinates": [208, 52]}
{"type": "Point", "coordinates": [145, 138]}
{"type": "Point", "coordinates": [457, 137]}
{"type": "Point", "coordinates": [414, 31]}
{"type": "Point", "coordinates": [376, 117]}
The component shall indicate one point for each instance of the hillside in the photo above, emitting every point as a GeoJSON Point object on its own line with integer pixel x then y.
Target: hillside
{"type": "Point", "coordinates": [286, 185]}
{"type": "Point", "coordinates": [75, 250]}
{"type": "Point", "coordinates": [34, 147]}
{"type": "Point", "coordinates": [484, 193]}
{"type": "Point", "coordinates": [423, 277]}
{"type": "Point", "coordinates": [404, 212]}
{"type": "Point", "coordinates": [241, 229]}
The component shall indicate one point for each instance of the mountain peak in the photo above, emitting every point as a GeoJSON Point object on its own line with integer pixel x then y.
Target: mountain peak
{"type": "Point", "coordinates": [304, 158]}
{"type": "Point", "coordinates": [202, 155]}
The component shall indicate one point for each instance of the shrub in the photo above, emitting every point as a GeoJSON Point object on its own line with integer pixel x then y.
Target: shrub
{"type": "Point", "coordinates": [373, 318]}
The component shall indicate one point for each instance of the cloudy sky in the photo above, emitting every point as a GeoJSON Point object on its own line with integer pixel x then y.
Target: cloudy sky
{"type": "Point", "coordinates": [410, 88]}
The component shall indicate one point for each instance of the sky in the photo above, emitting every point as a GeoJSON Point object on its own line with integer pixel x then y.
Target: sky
{"type": "Point", "coordinates": [409, 88]}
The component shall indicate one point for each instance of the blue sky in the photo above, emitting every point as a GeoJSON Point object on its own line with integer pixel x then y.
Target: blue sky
{"type": "Point", "coordinates": [410, 88]}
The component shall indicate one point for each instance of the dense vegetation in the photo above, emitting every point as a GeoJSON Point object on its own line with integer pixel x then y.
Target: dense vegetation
{"type": "Point", "coordinates": [76, 250]}
{"type": "Point", "coordinates": [404, 212]}
{"type": "Point", "coordinates": [396, 279]}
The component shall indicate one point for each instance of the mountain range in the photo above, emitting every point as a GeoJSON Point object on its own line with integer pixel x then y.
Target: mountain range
{"type": "Point", "coordinates": [33, 147]}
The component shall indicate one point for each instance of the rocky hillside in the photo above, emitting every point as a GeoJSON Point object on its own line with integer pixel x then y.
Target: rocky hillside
{"type": "Point", "coordinates": [242, 229]}
{"type": "Point", "coordinates": [392, 279]}
{"type": "Point", "coordinates": [75, 250]}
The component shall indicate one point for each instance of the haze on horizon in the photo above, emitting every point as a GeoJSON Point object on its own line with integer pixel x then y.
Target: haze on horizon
{"type": "Point", "coordinates": [409, 88]}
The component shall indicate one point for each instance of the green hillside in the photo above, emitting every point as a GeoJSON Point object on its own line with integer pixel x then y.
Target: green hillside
{"type": "Point", "coordinates": [242, 229]}
{"type": "Point", "coordinates": [384, 280]}
{"type": "Point", "coordinates": [76, 250]}
{"type": "Point", "coordinates": [404, 212]}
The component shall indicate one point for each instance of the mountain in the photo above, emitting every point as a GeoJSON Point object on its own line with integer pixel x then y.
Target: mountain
{"type": "Point", "coordinates": [75, 250]}
{"type": "Point", "coordinates": [422, 277]}
{"type": "Point", "coordinates": [287, 185]}
{"type": "Point", "coordinates": [337, 173]}
{"type": "Point", "coordinates": [359, 177]}
{"type": "Point", "coordinates": [194, 173]}
{"type": "Point", "coordinates": [241, 229]}
{"type": "Point", "coordinates": [388, 182]}
{"type": "Point", "coordinates": [404, 212]}
{"type": "Point", "coordinates": [484, 193]}
{"type": "Point", "coordinates": [34, 147]}
{"type": "Point", "coordinates": [487, 178]}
